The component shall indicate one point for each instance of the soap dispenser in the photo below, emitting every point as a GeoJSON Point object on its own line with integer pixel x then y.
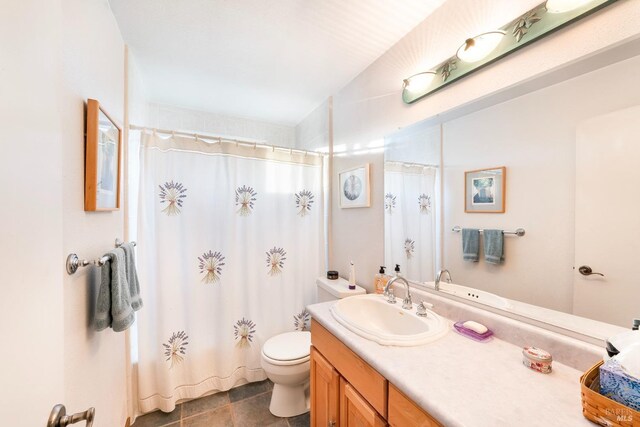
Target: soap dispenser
{"type": "Point", "coordinates": [380, 280]}
{"type": "Point", "coordinates": [397, 270]}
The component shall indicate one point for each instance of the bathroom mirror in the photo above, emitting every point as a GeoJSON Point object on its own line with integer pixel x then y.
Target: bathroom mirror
{"type": "Point", "coordinates": [411, 195]}
{"type": "Point", "coordinates": [569, 140]}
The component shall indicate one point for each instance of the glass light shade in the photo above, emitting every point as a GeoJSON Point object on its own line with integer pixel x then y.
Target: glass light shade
{"type": "Point", "coordinates": [419, 82]}
{"type": "Point", "coordinates": [479, 47]}
{"type": "Point", "coordinates": [560, 6]}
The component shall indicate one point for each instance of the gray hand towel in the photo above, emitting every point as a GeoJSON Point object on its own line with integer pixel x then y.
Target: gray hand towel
{"type": "Point", "coordinates": [102, 319]}
{"type": "Point", "coordinates": [470, 244]}
{"type": "Point", "coordinates": [114, 301]}
{"type": "Point", "coordinates": [132, 276]}
{"type": "Point", "coordinates": [494, 246]}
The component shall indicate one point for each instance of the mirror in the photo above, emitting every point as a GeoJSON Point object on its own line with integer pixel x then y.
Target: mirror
{"type": "Point", "coordinates": [569, 142]}
{"type": "Point", "coordinates": [411, 191]}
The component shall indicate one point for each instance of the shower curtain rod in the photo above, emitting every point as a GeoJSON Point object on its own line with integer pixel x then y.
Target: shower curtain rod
{"type": "Point", "coordinates": [246, 143]}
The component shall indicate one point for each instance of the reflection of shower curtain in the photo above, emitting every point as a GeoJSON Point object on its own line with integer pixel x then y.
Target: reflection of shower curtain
{"type": "Point", "coordinates": [230, 243]}
{"type": "Point", "coordinates": [410, 212]}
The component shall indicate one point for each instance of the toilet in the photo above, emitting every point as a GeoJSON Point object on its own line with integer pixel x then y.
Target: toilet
{"type": "Point", "coordinates": [285, 357]}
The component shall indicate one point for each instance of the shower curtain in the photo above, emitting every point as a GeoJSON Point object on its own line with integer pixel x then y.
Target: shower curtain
{"type": "Point", "coordinates": [409, 205]}
{"type": "Point", "coordinates": [230, 244]}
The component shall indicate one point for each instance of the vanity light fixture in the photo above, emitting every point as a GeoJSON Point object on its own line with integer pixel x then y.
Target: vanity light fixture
{"type": "Point", "coordinates": [478, 47]}
{"type": "Point", "coordinates": [418, 82]}
{"type": "Point", "coordinates": [561, 6]}
{"type": "Point", "coordinates": [484, 49]}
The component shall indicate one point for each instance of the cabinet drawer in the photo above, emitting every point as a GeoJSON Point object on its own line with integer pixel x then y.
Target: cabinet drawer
{"type": "Point", "coordinates": [369, 383]}
{"type": "Point", "coordinates": [403, 412]}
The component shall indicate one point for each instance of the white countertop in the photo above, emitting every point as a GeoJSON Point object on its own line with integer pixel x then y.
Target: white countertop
{"type": "Point", "coordinates": [464, 383]}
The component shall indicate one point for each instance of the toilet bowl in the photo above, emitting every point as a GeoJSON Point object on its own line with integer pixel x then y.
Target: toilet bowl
{"type": "Point", "coordinates": [285, 360]}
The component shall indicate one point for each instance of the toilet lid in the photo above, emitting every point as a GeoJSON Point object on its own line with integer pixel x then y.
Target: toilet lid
{"type": "Point", "coordinates": [288, 346]}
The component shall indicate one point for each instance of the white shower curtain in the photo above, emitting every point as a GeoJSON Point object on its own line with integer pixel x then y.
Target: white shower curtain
{"type": "Point", "coordinates": [230, 243]}
{"type": "Point", "coordinates": [410, 223]}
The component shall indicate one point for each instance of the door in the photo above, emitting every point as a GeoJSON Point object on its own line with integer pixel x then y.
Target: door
{"type": "Point", "coordinates": [607, 230]}
{"type": "Point", "coordinates": [325, 389]}
{"type": "Point", "coordinates": [354, 409]}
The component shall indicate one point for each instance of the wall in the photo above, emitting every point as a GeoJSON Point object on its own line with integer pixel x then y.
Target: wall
{"type": "Point", "coordinates": [370, 106]}
{"type": "Point", "coordinates": [534, 136]}
{"type": "Point", "coordinates": [176, 118]}
{"type": "Point", "coordinates": [56, 55]}
{"type": "Point", "coordinates": [31, 256]}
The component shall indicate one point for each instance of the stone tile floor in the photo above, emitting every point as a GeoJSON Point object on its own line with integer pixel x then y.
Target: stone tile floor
{"type": "Point", "coordinates": [244, 406]}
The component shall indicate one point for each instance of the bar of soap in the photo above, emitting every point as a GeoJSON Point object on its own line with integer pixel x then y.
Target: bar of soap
{"type": "Point", "coordinates": [475, 326]}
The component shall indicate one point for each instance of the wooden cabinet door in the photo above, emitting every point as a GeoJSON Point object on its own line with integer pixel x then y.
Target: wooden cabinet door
{"type": "Point", "coordinates": [354, 409]}
{"type": "Point", "coordinates": [403, 412]}
{"type": "Point", "coordinates": [325, 392]}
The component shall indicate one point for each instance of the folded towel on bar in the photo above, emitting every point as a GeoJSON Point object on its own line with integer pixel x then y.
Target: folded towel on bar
{"type": "Point", "coordinates": [132, 276]}
{"type": "Point", "coordinates": [470, 244]}
{"type": "Point", "coordinates": [113, 307]}
{"type": "Point", "coordinates": [494, 246]}
{"type": "Point", "coordinates": [102, 319]}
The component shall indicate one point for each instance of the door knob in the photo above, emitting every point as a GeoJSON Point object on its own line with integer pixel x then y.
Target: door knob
{"type": "Point", "coordinates": [585, 270]}
{"type": "Point", "coordinates": [59, 417]}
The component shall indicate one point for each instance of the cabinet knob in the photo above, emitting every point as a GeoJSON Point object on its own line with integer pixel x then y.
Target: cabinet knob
{"type": "Point", "coordinates": [331, 424]}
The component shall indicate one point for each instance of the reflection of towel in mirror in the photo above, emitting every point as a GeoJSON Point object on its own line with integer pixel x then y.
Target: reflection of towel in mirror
{"type": "Point", "coordinates": [113, 307]}
{"type": "Point", "coordinates": [132, 276]}
{"type": "Point", "coordinates": [494, 246]}
{"type": "Point", "coordinates": [470, 244]}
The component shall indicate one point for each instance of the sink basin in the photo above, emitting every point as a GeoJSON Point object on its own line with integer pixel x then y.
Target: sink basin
{"type": "Point", "coordinates": [372, 317]}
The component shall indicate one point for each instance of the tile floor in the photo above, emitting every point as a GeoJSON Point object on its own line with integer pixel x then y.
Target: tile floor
{"type": "Point", "coordinates": [244, 406]}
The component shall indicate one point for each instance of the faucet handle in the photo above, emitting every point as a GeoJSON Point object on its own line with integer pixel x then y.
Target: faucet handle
{"type": "Point", "coordinates": [407, 304]}
{"type": "Point", "coordinates": [422, 308]}
{"type": "Point", "coordinates": [391, 297]}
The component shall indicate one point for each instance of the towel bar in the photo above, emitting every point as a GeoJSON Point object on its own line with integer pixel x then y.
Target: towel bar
{"type": "Point", "coordinates": [518, 231]}
{"type": "Point", "coordinates": [73, 262]}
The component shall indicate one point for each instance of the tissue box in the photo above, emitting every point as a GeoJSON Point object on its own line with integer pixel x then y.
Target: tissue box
{"type": "Point", "coordinates": [618, 385]}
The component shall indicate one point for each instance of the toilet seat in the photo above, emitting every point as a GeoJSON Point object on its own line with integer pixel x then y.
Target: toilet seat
{"type": "Point", "coordinates": [290, 348]}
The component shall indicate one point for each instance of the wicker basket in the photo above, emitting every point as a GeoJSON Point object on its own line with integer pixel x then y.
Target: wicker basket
{"type": "Point", "coordinates": [600, 409]}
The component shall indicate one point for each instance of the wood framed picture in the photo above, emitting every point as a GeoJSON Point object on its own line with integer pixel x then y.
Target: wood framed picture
{"type": "Point", "coordinates": [485, 190]}
{"type": "Point", "coordinates": [102, 160]}
{"type": "Point", "coordinates": [355, 190]}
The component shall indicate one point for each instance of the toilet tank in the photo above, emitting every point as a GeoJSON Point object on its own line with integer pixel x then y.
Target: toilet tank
{"type": "Point", "coordinates": [330, 290]}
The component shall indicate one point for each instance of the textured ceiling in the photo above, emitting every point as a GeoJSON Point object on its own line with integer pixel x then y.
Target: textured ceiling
{"type": "Point", "coordinates": [270, 60]}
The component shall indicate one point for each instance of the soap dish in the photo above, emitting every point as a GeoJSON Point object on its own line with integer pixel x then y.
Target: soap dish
{"type": "Point", "coordinates": [459, 328]}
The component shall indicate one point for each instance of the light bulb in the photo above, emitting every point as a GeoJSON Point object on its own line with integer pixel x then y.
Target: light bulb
{"type": "Point", "coordinates": [419, 82]}
{"type": "Point", "coordinates": [561, 6]}
{"type": "Point", "coordinates": [480, 46]}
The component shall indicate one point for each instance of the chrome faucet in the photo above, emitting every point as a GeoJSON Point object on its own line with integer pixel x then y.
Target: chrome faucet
{"type": "Point", "coordinates": [439, 277]}
{"type": "Point", "coordinates": [406, 303]}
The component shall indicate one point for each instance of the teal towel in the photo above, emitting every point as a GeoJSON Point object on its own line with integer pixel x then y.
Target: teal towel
{"type": "Point", "coordinates": [494, 246]}
{"type": "Point", "coordinates": [470, 244]}
{"type": "Point", "coordinates": [132, 276]}
{"type": "Point", "coordinates": [113, 307]}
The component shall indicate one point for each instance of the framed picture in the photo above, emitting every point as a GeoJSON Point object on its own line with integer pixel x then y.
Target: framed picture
{"type": "Point", "coordinates": [354, 188]}
{"type": "Point", "coordinates": [102, 160]}
{"type": "Point", "coordinates": [485, 190]}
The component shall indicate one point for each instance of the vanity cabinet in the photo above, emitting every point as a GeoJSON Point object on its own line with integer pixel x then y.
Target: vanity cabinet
{"type": "Point", "coordinates": [347, 392]}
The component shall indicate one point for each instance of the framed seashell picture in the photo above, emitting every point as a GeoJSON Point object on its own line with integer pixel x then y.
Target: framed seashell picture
{"type": "Point", "coordinates": [102, 160]}
{"type": "Point", "coordinates": [355, 190]}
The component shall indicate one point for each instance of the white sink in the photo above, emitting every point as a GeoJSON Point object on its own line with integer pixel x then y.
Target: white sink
{"type": "Point", "coordinates": [373, 318]}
